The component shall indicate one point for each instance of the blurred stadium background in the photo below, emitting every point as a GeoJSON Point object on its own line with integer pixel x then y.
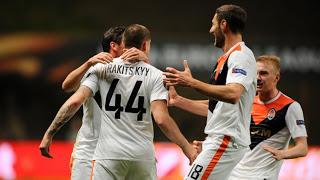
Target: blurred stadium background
{"type": "Point", "coordinates": [42, 41]}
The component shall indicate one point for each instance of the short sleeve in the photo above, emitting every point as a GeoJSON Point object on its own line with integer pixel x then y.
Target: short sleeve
{"type": "Point", "coordinates": [91, 78]}
{"type": "Point", "coordinates": [295, 121]}
{"type": "Point", "coordinates": [158, 91]}
{"type": "Point", "coordinates": [87, 73]}
{"type": "Point", "coordinates": [240, 69]}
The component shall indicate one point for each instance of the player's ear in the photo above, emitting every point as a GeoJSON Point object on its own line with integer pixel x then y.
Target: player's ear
{"type": "Point", "coordinates": [223, 25]}
{"type": "Point", "coordinates": [144, 46]}
{"type": "Point", "coordinates": [278, 77]}
{"type": "Point", "coordinates": [112, 45]}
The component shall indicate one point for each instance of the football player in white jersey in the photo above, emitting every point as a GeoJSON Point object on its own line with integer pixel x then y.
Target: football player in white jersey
{"type": "Point", "coordinates": [231, 91]}
{"type": "Point", "coordinates": [125, 145]}
{"type": "Point", "coordinates": [276, 119]}
{"type": "Point", "coordinates": [82, 156]}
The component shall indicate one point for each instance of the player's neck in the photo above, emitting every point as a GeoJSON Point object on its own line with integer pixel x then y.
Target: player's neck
{"type": "Point", "coordinates": [267, 96]}
{"type": "Point", "coordinates": [230, 41]}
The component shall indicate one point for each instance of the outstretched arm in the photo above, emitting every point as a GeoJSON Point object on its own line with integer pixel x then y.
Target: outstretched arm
{"type": "Point", "coordinates": [300, 149]}
{"type": "Point", "coordinates": [170, 129]}
{"type": "Point", "coordinates": [198, 107]}
{"type": "Point", "coordinates": [227, 93]}
{"type": "Point", "coordinates": [72, 81]}
{"type": "Point", "coordinates": [65, 113]}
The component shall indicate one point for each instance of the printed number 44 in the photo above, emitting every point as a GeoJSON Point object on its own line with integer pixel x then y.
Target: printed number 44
{"type": "Point", "coordinates": [117, 105]}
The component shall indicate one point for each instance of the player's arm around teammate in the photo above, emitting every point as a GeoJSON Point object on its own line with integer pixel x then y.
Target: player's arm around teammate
{"type": "Point", "coordinates": [170, 129]}
{"type": "Point", "coordinates": [65, 113]}
{"type": "Point", "coordinates": [72, 81]}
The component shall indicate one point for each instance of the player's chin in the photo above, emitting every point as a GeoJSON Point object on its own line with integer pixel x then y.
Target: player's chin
{"type": "Point", "coordinates": [259, 89]}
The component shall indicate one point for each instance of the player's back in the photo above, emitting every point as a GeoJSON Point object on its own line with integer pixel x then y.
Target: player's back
{"type": "Point", "coordinates": [126, 127]}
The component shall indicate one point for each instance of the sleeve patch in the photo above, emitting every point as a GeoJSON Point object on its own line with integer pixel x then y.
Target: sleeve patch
{"type": "Point", "coordinates": [300, 122]}
{"type": "Point", "coordinates": [237, 70]}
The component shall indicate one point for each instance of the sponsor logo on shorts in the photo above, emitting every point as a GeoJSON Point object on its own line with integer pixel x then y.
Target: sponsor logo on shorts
{"type": "Point", "coordinates": [240, 71]}
{"type": "Point", "coordinates": [300, 122]}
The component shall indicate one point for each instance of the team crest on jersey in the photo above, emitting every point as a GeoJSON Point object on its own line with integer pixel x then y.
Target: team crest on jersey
{"type": "Point", "coordinates": [271, 114]}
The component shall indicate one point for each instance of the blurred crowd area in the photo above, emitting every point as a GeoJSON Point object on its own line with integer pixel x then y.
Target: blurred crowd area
{"type": "Point", "coordinates": [41, 42]}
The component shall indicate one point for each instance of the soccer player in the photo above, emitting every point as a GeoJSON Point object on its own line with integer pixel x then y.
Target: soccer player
{"type": "Point", "coordinates": [276, 118]}
{"type": "Point", "coordinates": [129, 94]}
{"type": "Point", "coordinates": [81, 158]}
{"type": "Point", "coordinates": [230, 91]}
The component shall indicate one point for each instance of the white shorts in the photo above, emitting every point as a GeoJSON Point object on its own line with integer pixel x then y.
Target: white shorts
{"type": "Point", "coordinates": [218, 157]}
{"type": "Point", "coordinates": [81, 169]}
{"type": "Point", "coordinates": [249, 175]}
{"type": "Point", "coordinates": [124, 170]}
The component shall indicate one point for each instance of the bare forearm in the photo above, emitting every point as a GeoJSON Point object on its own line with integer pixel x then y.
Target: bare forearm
{"type": "Point", "coordinates": [198, 107]}
{"type": "Point", "coordinates": [64, 115]}
{"type": "Point", "coordinates": [223, 93]}
{"type": "Point", "coordinates": [72, 82]}
{"type": "Point", "coordinates": [172, 132]}
{"type": "Point", "coordinates": [295, 152]}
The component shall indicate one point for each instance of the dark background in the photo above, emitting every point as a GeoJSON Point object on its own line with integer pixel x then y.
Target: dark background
{"type": "Point", "coordinates": [42, 41]}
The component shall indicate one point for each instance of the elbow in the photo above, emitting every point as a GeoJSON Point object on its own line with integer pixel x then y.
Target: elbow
{"type": "Point", "coordinates": [304, 151]}
{"type": "Point", "coordinates": [66, 88]}
{"type": "Point", "coordinates": [160, 122]}
{"type": "Point", "coordinates": [74, 104]}
{"type": "Point", "coordinates": [233, 98]}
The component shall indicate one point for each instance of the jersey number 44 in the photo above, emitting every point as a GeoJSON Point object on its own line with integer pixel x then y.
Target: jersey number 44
{"type": "Point", "coordinates": [117, 105]}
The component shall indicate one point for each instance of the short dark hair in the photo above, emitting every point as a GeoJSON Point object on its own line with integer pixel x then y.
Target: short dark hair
{"type": "Point", "coordinates": [135, 35]}
{"type": "Point", "coordinates": [235, 16]}
{"type": "Point", "coordinates": [112, 34]}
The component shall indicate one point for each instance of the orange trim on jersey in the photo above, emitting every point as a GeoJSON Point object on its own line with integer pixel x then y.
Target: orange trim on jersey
{"type": "Point", "coordinates": [71, 162]}
{"type": "Point", "coordinates": [223, 59]}
{"type": "Point", "coordinates": [260, 111]}
{"type": "Point", "coordinates": [91, 175]}
{"type": "Point", "coordinates": [216, 157]}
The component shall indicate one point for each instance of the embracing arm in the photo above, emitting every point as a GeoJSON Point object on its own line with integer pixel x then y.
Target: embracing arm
{"type": "Point", "coordinates": [72, 81]}
{"type": "Point", "coordinates": [65, 113]}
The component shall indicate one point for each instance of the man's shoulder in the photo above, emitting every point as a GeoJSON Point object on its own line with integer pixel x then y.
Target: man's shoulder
{"type": "Point", "coordinates": [242, 57]}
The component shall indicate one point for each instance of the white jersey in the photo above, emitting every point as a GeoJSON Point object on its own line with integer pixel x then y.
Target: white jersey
{"type": "Point", "coordinates": [238, 65]}
{"type": "Point", "coordinates": [126, 91]}
{"type": "Point", "coordinates": [88, 133]}
{"type": "Point", "coordinates": [273, 124]}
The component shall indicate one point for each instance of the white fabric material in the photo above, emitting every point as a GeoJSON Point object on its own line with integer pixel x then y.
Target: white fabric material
{"type": "Point", "coordinates": [258, 163]}
{"type": "Point", "coordinates": [81, 169]}
{"type": "Point", "coordinates": [229, 159]}
{"type": "Point", "coordinates": [88, 133]}
{"type": "Point", "coordinates": [234, 119]}
{"type": "Point", "coordinates": [126, 138]}
{"type": "Point", "coordinates": [124, 170]}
